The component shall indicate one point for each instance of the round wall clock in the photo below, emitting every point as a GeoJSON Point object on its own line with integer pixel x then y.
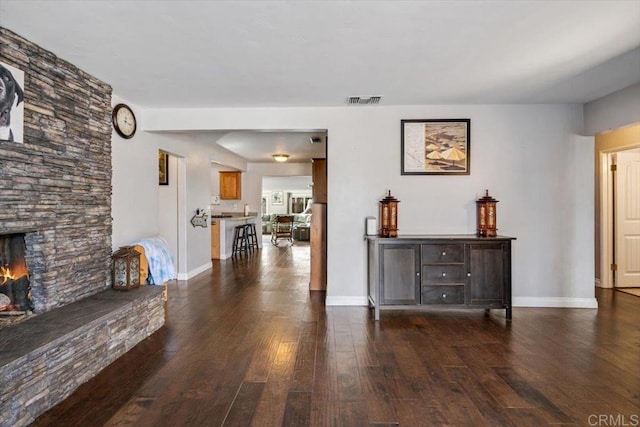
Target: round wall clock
{"type": "Point", "coordinates": [124, 121]}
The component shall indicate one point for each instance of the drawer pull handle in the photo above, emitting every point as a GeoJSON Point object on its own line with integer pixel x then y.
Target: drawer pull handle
{"type": "Point", "coordinates": [444, 274]}
{"type": "Point", "coordinates": [468, 274]}
{"type": "Point", "coordinates": [418, 273]}
{"type": "Point", "coordinates": [444, 295]}
{"type": "Point", "coordinates": [444, 253]}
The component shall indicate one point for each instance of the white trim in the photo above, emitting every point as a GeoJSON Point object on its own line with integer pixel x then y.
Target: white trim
{"type": "Point", "coordinates": [555, 302]}
{"type": "Point", "coordinates": [194, 272]}
{"type": "Point", "coordinates": [337, 301]}
{"type": "Point", "coordinates": [606, 232]}
{"type": "Point", "coordinates": [182, 216]}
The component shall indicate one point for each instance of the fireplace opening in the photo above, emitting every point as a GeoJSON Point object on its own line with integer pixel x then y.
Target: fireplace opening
{"type": "Point", "coordinates": [15, 287]}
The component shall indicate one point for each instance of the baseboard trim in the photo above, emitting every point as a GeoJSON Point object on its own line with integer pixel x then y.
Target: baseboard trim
{"type": "Point", "coordinates": [194, 272]}
{"type": "Point", "coordinates": [558, 302]}
{"type": "Point", "coordinates": [517, 302]}
{"type": "Point", "coordinates": [344, 301]}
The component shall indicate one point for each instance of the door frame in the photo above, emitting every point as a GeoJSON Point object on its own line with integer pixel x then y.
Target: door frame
{"type": "Point", "coordinates": [606, 219]}
{"type": "Point", "coordinates": [606, 209]}
{"type": "Point", "coordinates": [180, 230]}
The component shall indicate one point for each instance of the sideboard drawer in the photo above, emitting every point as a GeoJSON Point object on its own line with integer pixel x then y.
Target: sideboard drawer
{"type": "Point", "coordinates": [437, 274]}
{"type": "Point", "coordinates": [443, 294]}
{"type": "Point", "coordinates": [442, 253]}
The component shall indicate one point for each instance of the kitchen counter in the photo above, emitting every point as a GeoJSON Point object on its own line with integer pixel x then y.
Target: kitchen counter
{"type": "Point", "coordinates": [232, 218]}
{"type": "Point", "coordinates": [223, 230]}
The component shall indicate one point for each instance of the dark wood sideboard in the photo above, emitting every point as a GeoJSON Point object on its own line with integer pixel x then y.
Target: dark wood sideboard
{"type": "Point", "coordinates": [461, 271]}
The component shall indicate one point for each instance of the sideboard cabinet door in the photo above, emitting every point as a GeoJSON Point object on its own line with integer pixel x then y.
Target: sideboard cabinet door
{"type": "Point", "coordinates": [400, 274]}
{"type": "Point", "coordinates": [486, 274]}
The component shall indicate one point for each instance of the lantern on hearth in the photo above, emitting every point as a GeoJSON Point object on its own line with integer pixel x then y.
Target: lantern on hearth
{"type": "Point", "coordinates": [126, 268]}
{"type": "Point", "coordinates": [389, 216]}
{"type": "Point", "coordinates": [486, 207]}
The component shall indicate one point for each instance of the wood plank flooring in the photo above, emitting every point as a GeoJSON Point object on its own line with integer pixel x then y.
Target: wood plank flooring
{"type": "Point", "coordinates": [246, 344]}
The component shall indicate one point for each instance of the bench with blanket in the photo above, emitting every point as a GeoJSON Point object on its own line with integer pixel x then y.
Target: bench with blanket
{"type": "Point", "coordinates": [156, 263]}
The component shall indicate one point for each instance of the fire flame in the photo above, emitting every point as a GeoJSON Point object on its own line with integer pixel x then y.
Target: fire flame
{"type": "Point", "coordinates": [6, 274]}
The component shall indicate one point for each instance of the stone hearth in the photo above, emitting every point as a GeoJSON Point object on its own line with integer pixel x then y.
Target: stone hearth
{"type": "Point", "coordinates": [45, 358]}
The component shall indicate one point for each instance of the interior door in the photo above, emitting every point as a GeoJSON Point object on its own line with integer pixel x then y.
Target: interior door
{"type": "Point", "coordinates": [627, 217]}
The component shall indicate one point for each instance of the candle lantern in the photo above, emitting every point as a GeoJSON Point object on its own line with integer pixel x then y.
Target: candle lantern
{"type": "Point", "coordinates": [389, 216]}
{"type": "Point", "coordinates": [126, 268]}
{"type": "Point", "coordinates": [486, 207]}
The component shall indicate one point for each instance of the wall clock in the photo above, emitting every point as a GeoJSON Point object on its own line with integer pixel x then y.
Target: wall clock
{"type": "Point", "coordinates": [124, 121]}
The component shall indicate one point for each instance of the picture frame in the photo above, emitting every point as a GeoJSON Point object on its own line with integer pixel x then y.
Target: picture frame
{"type": "Point", "coordinates": [277, 198]}
{"type": "Point", "coordinates": [12, 104]}
{"type": "Point", "coordinates": [163, 168]}
{"type": "Point", "coordinates": [435, 147]}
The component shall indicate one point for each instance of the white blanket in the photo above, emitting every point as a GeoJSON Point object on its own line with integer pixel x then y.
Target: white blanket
{"type": "Point", "coordinates": [161, 265]}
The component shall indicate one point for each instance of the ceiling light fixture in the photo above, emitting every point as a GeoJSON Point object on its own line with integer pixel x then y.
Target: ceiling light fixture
{"type": "Point", "coordinates": [280, 157]}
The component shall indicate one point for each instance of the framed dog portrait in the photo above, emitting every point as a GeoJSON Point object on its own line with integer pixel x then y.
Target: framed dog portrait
{"type": "Point", "coordinates": [11, 103]}
{"type": "Point", "coordinates": [436, 147]}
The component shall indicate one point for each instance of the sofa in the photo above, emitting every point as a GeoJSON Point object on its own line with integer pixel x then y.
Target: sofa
{"type": "Point", "coordinates": [301, 225]}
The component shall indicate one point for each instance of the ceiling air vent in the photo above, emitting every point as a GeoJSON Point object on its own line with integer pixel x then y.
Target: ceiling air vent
{"type": "Point", "coordinates": [353, 100]}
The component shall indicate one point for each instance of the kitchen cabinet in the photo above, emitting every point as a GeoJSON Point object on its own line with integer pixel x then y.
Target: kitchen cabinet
{"type": "Point", "coordinates": [461, 271]}
{"type": "Point", "coordinates": [215, 239]}
{"type": "Point", "coordinates": [230, 185]}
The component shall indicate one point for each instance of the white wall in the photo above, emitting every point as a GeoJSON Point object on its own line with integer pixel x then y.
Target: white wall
{"type": "Point", "coordinates": [619, 109]}
{"type": "Point", "coordinates": [293, 183]}
{"type": "Point", "coordinates": [135, 184]}
{"type": "Point", "coordinates": [135, 199]}
{"type": "Point", "coordinates": [168, 209]}
{"type": "Point", "coordinates": [526, 155]}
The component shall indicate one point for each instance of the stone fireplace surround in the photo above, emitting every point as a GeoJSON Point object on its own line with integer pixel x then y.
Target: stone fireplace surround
{"type": "Point", "coordinates": [56, 188]}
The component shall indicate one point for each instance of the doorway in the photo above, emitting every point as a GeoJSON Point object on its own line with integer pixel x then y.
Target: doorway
{"type": "Point", "coordinates": [620, 217]}
{"type": "Point", "coordinates": [171, 208]}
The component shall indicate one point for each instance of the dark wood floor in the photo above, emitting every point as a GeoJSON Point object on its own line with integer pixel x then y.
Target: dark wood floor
{"type": "Point", "coordinates": [246, 344]}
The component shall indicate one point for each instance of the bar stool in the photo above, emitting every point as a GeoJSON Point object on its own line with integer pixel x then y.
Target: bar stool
{"type": "Point", "coordinates": [240, 241]}
{"type": "Point", "coordinates": [252, 236]}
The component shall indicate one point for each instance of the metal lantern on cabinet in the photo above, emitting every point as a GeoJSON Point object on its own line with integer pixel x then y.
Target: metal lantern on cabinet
{"type": "Point", "coordinates": [486, 207]}
{"type": "Point", "coordinates": [389, 216]}
{"type": "Point", "coordinates": [126, 268]}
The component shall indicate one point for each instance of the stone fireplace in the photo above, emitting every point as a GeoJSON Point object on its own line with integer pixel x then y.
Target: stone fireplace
{"type": "Point", "coordinates": [56, 186]}
{"type": "Point", "coordinates": [55, 204]}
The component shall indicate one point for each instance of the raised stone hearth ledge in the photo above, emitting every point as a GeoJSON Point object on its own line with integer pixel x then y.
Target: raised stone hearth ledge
{"type": "Point", "coordinates": [45, 358]}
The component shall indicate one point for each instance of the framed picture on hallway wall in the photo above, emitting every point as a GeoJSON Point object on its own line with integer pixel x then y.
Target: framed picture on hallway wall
{"type": "Point", "coordinates": [436, 147]}
{"type": "Point", "coordinates": [277, 198]}
{"type": "Point", "coordinates": [163, 168]}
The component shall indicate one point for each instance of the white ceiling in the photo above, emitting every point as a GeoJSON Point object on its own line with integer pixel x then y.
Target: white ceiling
{"type": "Point", "coordinates": [161, 53]}
{"type": "Point", "coordinates": [185, 54]}
{"type": "Point", "coordinates": [259, 147]}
